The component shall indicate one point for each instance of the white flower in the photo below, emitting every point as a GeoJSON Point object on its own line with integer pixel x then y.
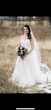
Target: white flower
{"type": "Point", "coordinates": [20, 47]}
{"type": "Point", "coordinates": [21, 52]}
{"type": "Point", "coordinates": [17, 48]}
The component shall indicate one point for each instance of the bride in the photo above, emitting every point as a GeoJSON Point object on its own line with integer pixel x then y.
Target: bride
{"type": "Point", "coordinates": [30, 70]}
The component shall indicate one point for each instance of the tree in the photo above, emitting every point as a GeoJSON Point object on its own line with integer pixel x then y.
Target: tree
{"type": "Point", "coordinates": [30, 18]}
{"type": "Point", "coordinates": [50, 19]}
{"type": "Point", "coordinates": [40, 19]}
{"type": "Point", "coordinates": [14, 20]}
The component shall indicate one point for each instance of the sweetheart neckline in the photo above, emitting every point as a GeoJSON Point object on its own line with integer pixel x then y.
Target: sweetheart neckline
{"type": "Point", "coordinates": [25, 40]}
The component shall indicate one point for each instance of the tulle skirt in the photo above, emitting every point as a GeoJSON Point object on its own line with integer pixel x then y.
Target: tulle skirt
{"type": "Point", "coordinates": [27, 72]}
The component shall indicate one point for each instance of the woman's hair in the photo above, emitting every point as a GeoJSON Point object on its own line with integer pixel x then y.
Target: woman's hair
{"type": "Point", "coordinates": [29, 33]}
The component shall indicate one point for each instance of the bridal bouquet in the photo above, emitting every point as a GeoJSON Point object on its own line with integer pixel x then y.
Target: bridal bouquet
{"type": "Point", "coordinates": [21, 51]}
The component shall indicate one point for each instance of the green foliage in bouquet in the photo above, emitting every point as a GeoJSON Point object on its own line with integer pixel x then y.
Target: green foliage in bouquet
{"type": "Point", "coordinates": [18, 53]}
{"type": "Point", "coordinates": [21, 51]}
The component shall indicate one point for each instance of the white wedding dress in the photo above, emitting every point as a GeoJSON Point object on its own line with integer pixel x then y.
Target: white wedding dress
{"type": "Point", "coordinates": [28, 71]}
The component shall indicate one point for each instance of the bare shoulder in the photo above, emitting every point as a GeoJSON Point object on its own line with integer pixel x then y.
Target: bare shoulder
{"type": "Point", "coordinates": [21, 36]}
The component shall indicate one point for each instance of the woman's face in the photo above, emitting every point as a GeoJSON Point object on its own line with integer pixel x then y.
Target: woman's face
{"type": "Point", "coordinates": [25, 30]}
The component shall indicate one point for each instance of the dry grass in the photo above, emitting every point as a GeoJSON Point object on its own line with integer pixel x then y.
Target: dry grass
{"type": "Point", "coordinates": [9, 37]}
{"type": "Point", "coordinates": [5, 86]}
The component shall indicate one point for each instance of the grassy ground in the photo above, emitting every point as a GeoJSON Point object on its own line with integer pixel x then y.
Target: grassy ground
{"type": "Point", "coordinates": [9, 37]}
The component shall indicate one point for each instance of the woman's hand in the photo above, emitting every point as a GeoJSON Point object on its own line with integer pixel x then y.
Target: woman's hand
{"type": "Point", "coordinates": [21, 57]}
{"type": "Point", "coordinates": [25, 55]}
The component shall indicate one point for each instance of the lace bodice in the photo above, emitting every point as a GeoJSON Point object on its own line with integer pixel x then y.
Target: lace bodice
{"type": "Point", "coordinates": [26, 43]}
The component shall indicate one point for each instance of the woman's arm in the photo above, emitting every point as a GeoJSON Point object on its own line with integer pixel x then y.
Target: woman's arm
{"type": "Point", "coordinates": [19, 43]}
{"type": "Point", "coordinates": [32, 45]}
